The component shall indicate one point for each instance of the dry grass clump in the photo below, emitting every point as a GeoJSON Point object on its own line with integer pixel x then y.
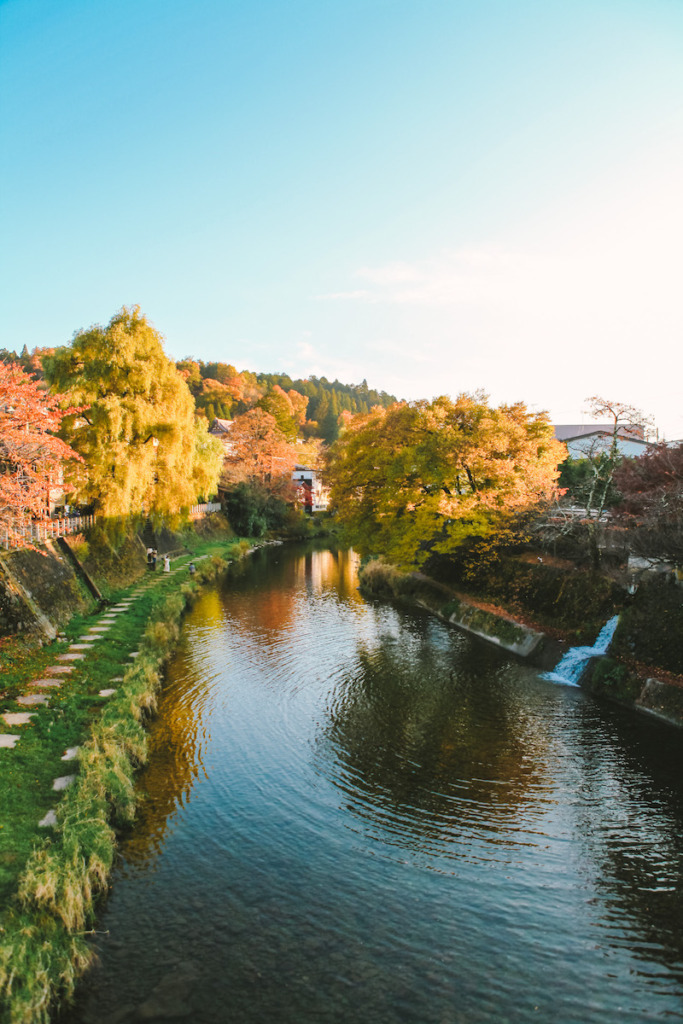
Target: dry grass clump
{"type": "Point", "coordinates": [378, 577]}
{"type": "Point", "coordinates": [33, 951]}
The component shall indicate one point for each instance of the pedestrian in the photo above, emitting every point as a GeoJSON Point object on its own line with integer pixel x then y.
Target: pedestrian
{"type": "Point", "coordinates": [191, 568]}
{"type": "Point", "coordinates": [167, 563]}
{"type": "Point", "coordinates": [149, 558]}
{"type": "Point", "coordinates": [154, 559]}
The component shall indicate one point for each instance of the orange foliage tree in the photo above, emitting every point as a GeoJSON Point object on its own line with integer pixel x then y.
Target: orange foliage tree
{"type": "Point", "coordinates": [424, 477]}
{"type": "Point", "coordinates": [258, 451]}
{"type": "Point", "coordinates": [31, 456]}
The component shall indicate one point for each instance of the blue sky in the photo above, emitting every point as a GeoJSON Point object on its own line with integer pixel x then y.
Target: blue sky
{"type": "Point", "coordinates": [436, 196]}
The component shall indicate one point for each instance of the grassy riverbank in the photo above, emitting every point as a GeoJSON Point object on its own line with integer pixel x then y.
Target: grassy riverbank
{"type": "Point", "coordinates": [51, 876]}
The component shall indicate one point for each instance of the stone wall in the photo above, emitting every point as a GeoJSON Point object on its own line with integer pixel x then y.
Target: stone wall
{"type": "Point", "coordinates": [39, 590]}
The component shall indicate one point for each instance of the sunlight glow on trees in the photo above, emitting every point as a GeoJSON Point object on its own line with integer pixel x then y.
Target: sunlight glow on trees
{"type": "Point", "coordinates": [31, 456]}
{"type": "Point", "coordinates": [424, 477]}
{"type": "Point", "coordinates": [138, 435]}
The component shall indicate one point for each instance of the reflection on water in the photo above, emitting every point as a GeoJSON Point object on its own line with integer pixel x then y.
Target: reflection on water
{"type": "Point", "coordinates": [354, 813]}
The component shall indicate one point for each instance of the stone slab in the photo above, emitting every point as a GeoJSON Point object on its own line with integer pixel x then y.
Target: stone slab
{"type": "Point", "coordinates": [8, 741]}
{"type": "Point", "coordinates": [80, 647]}
{"type": "Point", "coordinates": [91, 637]}
{"type": "Point", "coordinates": [33, 698]}
{"type": "Point", "coordinates": [18, 717]}
{"type": "Point", "coordinates": [99, 629]}
{"type": "Point", "coordinates": [60, 670]}
{"type": "Point", "coordinates": [71, 754]}
{"type": "Point", "coordinates": [133, 654]}
{"type": "Point", "coordinates": [70, 657]}
{"type": "Point", "coordinates": [63, 782]}
{"type": "Point", "coordinates": [46, 683]}
{"type": "Point", "coordinates": [49, 821]}
{"type": "Point", "coordinates": [117, 679]}
{"type": "Point", "coordinates": [107, 693]}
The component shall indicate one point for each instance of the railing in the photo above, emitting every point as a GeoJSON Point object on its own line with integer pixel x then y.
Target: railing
{"type": "Point", "coordinates": [197, 511]}
{"type": "Point", "coordinates": [26, 533]}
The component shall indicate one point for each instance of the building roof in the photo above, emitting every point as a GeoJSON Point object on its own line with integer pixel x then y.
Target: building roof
{"type": "Point", "coordinates": [219, 426]}
{"type": "Point", "coordinates": [600, 441]}
{"type": "Point", "coordinates": [566, 431]}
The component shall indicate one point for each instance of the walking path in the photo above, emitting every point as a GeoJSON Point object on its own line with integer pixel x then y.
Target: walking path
{"type": "Point", "coordinates": [73, 660]}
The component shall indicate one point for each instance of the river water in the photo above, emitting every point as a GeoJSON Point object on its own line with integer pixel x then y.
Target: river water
{"type": "Point", "coordinates": [357, 814]}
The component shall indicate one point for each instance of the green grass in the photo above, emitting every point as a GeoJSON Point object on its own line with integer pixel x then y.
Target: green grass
{"type": "Point", "coordinates": [50, 879]}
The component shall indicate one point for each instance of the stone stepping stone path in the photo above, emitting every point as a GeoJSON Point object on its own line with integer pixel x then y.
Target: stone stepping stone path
{"type": "Point", "coordinates": [63, 782]}
{"type": "Point", "coordinates": [75, 653]}
{"type": "Point", "coordinates": [18, 717]}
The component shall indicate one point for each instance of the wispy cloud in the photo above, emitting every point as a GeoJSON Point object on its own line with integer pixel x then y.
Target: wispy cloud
{"type": "Point", "coordinates": [449, 278]}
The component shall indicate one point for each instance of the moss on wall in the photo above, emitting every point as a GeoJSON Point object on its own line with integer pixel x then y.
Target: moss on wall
{"type": "Point", "coordinates": [579, 600]}
{"type": "Point", "coordinates": [49, 580]}
{"type": "Point", "coordinates": [385, 581]}
{"type": "Point", "coordinates": [609, 678]}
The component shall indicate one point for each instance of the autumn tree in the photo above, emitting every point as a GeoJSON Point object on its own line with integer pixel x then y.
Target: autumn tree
{"type": "Point", "coordinates": [258, 450]}
{"type": "Point", "coordinates": [138, 435]}
{"type": "Point", "coordinates": [651, 489]}
{"type": "Point", "coordinates": [423, 477]}
{"type": "Point", "coordinates": [207, 461]}
{"type": "Point", "coordinates": [32, 457]}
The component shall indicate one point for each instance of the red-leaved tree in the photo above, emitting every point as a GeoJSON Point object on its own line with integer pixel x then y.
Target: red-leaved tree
{"type": "Point", "coordinates": [652, 501]}
{"type": "Point", "coordinates": [31, 456]}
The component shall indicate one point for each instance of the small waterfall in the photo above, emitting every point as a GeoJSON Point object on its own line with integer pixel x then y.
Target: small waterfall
{"type": "Point", "coordinates": [570, 669]}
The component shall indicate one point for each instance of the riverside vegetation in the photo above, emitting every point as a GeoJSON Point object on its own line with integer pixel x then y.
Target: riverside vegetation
{"type": "Point", "coordinates": [50, 879]}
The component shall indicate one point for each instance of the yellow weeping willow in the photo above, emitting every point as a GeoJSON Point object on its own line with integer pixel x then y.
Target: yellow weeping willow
{"type": "Point", "coordinates": [142, 448]}
{"type": "Point", "coordinates": [422, 477]}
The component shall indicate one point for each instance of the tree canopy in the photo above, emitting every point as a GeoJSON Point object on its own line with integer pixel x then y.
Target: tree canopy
{"type": "Point", "coordinates": [423, 477]}
{"type": "Point", "coordinates": [138, 434]}
{"type": "Point", "coordinates": [257, 450]}
{"type": "Point", "coordinates": [651, 489]}
{"type": "Point", "coordinates": [31, 456]}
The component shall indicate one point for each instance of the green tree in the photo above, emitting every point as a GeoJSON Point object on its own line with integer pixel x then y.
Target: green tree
{"type": "Point", "coordinates": [425, 477]}
{"type": "Point", "coordinates": [137, 436]}
{"type": "Point", "coordinates": [278, 403]}
{"type": "Point", "coordinates": [207, 461]}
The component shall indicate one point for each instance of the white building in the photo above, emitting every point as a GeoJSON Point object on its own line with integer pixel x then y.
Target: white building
{"type": "Point", "coordinates": [312, 494]}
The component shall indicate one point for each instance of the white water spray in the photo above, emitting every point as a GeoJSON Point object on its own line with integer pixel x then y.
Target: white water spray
{"type": "Point", "coordinates": [572, 666]}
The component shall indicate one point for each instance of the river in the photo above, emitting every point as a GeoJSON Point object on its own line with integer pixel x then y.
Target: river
{"type": "Point", "coordinates": [354, 813]}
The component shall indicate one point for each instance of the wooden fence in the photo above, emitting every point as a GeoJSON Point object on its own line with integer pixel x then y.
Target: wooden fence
{"type": "Point", "coordinates": [197, 511]}
{"type": "Point", "coordinates": [25, 533]}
